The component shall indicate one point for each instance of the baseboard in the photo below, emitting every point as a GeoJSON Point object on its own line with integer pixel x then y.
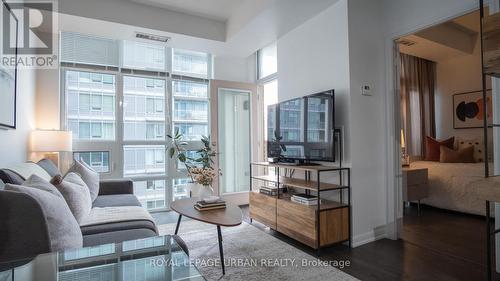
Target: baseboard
{"type": "Point", "coordinates": [368, 237]}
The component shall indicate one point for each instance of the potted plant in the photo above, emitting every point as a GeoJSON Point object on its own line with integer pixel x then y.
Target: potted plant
{"type": "Point", "coordinates": [200, 169]}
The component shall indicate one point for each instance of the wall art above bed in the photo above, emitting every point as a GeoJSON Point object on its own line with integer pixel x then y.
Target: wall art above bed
{"type": "Point", "coordinates": [468, 110]}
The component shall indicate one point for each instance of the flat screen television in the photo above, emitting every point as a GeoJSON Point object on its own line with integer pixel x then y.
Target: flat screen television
{"type": "Point", "coordinates": [302, 129]}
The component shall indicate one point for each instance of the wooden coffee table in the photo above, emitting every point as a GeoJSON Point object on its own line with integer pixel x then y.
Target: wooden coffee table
{"type": "Point", "coordinates": [230, 216]}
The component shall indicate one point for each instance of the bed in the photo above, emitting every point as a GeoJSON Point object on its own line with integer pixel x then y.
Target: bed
{"type": "Point", "coordinates": [450, 185]}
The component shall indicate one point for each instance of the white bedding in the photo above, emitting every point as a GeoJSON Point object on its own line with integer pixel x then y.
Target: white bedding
{"type": "Point", "coordinates": [450, 186]}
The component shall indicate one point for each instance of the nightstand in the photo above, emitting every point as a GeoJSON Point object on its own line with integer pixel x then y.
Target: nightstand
{"type": "Point", "coordinates": [415, 185]}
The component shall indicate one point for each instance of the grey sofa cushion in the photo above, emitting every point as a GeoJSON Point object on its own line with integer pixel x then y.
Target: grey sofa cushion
{"type": "Point", "coordinates": [118, 226]}
{"type": "Point", "coordinates": [117, 236]}
{"type": "Point", "coordinates": [116, 200]}
{"type": "Point", "coordinates": [39, 183]}
{"type": "Point", "coordinates": [49, 167]}
{"type": "Point", "coordinates": [8, 176]}
{"type": "Point", "coordinates": [88, 175]}
{"type": "Point", "coordinates": [76, 193]}
{"type": "Point", "coordinates": [64, 231]}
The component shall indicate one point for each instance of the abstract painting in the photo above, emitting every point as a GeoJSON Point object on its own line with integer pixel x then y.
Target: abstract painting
{"type": "Point", "coordinates": [468, 110]}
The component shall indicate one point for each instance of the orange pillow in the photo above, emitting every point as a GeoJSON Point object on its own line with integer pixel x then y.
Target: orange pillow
{"type": "Point", "coordinates": [465, 155]}
{"type": "Point", "coordinates": [432, 147]}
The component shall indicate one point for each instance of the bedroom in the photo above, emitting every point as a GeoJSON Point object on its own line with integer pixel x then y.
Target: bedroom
{"type": "Point", "coordinates": [443, 138]}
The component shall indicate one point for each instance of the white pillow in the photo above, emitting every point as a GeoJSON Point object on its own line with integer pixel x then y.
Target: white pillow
{"type": "Point", "coordinates": [76, 193]}
{"type": "Point", "coordinates": [476, 143]}
{"type": "Point", "coordinates": [88, 175]}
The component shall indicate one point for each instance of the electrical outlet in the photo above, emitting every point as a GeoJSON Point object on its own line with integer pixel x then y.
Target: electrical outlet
{"type": "Point", "coordinates": [366, 90]}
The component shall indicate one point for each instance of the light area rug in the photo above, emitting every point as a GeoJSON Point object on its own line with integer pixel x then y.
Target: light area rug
{"type": "Point", "coordinates": [249, 254]}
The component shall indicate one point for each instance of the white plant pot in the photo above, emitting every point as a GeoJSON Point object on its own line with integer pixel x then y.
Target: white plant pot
{"type": "Point", "coordinates": [194, 189]}
{"type": "Point", "coordinates": [205, 192]}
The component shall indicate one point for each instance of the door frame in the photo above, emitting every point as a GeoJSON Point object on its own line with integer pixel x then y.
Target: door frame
{"type": "Point", "coordinates": [239, 198]}
{"type": "Point", "coordinates": [394, 209]}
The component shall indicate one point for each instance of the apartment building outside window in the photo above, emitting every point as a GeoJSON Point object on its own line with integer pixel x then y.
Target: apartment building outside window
{"type": "Point", "coordinates": [120, 114]}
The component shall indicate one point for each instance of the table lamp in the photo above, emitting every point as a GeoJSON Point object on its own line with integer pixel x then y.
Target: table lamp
{"type": "Point", "coordinates": [51, 142]}
{"type": "Point", "coordinates": [404, 155]}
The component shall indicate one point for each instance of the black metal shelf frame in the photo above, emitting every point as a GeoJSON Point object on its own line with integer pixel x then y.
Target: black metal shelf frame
{"type": "Point", "coordinates": [318, 190]}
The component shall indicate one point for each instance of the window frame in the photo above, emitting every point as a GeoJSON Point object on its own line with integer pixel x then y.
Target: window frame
{"type": "Point", "coordinates": [115, 147]}
{"type": "Point", "coordinates": [269, 77]}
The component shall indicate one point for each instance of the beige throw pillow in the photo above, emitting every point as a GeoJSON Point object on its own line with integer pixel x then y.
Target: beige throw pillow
{"type": "Point", "coordinates": [76, 193]}
{"type": "Point", "coordinates": [448, 155]}
{"type": "Point", "coordinates": [88, 175]}
{"type": "Point", "coordinates": [476, 143]}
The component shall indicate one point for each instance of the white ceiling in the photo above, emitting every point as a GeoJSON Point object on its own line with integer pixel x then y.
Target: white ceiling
{"type": "Point", "coordinates": [252, 25]}
{"type": "Point", "coordinates": [212, 9]}
{"type": "Point", "coordinates": [467, 25]}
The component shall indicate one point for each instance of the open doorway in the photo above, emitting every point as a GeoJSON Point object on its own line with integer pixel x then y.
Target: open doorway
{"type": "Point", "coordinates": [442, 137]}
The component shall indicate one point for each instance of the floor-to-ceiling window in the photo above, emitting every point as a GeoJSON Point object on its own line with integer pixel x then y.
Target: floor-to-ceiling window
{"type": "Point", "coordinates": [121, 98]}
{"type": "Point", "coordinates": [267, 76]}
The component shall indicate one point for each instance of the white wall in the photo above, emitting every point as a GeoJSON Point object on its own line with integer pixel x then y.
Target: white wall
{"type": "Point", "coordinates": [314, 57]}
{"type": "Point", "coordinates": [14, 148]}
{"type": "Point", "coordinates": [460, 74]}
{"type": "Point", "coordinates": [367, 121]}
{"type": "Point", "coordinates": [235, 69]}
{"type": "Point", "coordinates": [330, 51]}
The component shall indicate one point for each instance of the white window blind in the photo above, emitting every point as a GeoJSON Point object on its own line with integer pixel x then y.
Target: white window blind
{"type": "Point", "coordinates": [87, 49]}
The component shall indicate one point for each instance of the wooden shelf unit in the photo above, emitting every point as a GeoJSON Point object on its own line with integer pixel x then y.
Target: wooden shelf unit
{"type": "Point", "coordinates": [325, 224]}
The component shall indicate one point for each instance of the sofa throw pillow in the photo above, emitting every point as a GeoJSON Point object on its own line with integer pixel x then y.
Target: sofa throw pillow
{"type": "Point", "coordinates": [49, 167]}
{"type": "Point", "coordinates": [465, 155]}
{"type": "Point", "coordinates": [88, 175]}
{"type": "Point", "coordinates": [432, 147]}
{"type": "Point", "coordinates": [39, 183]}
{"type": "Point", "coordinates": [476, 143]}
{"type": "Point", "coordinates": [76, 193]}
{"type": "Point", "coordinates": [64, 231]}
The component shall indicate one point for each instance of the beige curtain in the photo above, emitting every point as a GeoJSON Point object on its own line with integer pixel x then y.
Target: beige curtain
{"type": "Point", "coordinates": [418, 81]}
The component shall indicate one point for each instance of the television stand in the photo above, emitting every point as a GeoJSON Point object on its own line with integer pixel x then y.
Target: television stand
{"type": "Point", "coordinates": [324, 224]}
{"type": "Point", "coordinates": [297, 163]}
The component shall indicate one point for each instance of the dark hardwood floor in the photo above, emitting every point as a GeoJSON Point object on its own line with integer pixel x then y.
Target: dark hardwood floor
{"type": "Point", "coordinates": [438, 245]}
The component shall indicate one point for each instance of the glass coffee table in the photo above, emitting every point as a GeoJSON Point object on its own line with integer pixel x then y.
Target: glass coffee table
{"type": "Point", "coordinates": [156, 258]}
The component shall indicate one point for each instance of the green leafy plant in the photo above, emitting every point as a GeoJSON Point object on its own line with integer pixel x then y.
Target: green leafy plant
{"type": "Point", "coordinates": [206, 154]}
{"type": "Point", "coordinates": [194, 166]}
{"type": "Point", "coordinates": [177, 150]}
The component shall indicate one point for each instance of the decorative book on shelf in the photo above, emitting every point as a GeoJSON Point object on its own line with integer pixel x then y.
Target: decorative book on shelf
{"type": "Point", "coordinates": [205, 206]}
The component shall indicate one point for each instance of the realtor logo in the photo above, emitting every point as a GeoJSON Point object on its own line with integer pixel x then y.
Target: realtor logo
{"type": "Point", "coordinates": [28, 38]}
{"type": "Point", "coordinates": [32, 24]}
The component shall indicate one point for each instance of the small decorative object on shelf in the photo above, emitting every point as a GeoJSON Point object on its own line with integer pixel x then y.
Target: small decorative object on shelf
{"type": "Point", "coordinates": [210, 205]}
{"type": "Point", "coordinates": [305, 199]}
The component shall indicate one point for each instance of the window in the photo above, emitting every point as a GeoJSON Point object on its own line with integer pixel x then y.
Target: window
{"type": "Point", "coordinates": [151, 193]}
{"type": "Point", "coordinates": [90, 105]}
{"type": "Point", "coordinates": [143, 108]}
{"type": "Point", "coordinates": [120, 116]}
{"type": "Point", "coordinates": [190, 108]}
{"type": "Point", "coordinates": [180, 190]}
{"type": "Point", "coordinates": [267, 61]}
{"type": "Point", "coordinates": [147, 159]}
{"type": "Point", "coordinates": [139, 55]}
{"type": "Point", "coordinates": [270, 98]}
{"type": "Point", "coordinates": [98, 160]}
{"type": "Point", "coordinates": [190, 63]}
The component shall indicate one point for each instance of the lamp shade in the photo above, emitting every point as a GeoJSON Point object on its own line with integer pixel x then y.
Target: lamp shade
{"type": "Point", "coordinates": [51, 141]}
{"type": "Point", "coordinates": [403, 145]}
